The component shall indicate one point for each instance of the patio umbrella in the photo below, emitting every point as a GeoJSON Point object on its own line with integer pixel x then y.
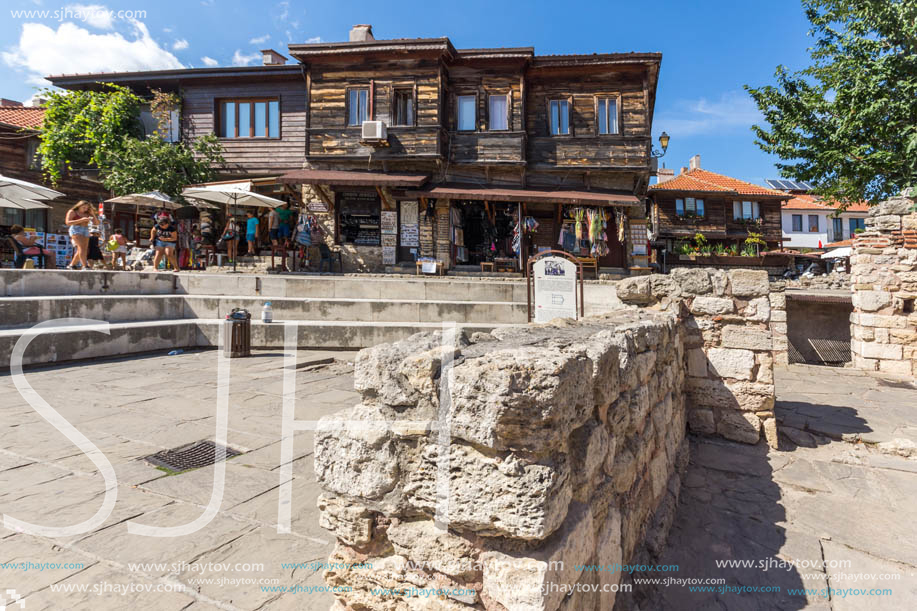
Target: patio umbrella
{"type": "Point", "coordinates": [15, 190]}
{"type": "Point", "coordinates": [21, 204]}
{"type": "Point", "coordinates": [156, 199]}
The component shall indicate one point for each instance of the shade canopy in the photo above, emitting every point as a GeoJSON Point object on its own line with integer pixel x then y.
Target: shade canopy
{"type": "Point", "coordinates": [353, 178]}
{"type": "Point", "coordinates": [156, 199]}
{"type": "Point", "coordinates": [23, 195]}
{"type": "Point", "coordinates": [838, 253]}
{"type": "Point", "coordinates": [230, 195]}
{"type": "Point", "coordinates": [21, 204]}
{"type": "Point", "coordinates": [529, 194]}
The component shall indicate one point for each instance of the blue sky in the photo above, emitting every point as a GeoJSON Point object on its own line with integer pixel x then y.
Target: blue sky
{"type": "Point", "coordinates": [710, 48]}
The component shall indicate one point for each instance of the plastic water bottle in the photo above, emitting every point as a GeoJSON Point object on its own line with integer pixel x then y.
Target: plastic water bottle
{"type": "Point", "coordinates": [176, 352]}
{"type": "Point", "coordinates": [267, 313]}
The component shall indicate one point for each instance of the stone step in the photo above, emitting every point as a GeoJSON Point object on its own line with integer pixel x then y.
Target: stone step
{"type": "Point", "coordinates": [61, 343]}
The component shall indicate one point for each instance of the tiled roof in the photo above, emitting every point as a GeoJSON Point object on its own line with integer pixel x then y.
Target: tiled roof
{"type": "Point", "coordinates": [701, 180]}
{"type": "Point", "coordinates": [840, 244]}
{"type": "Point", "coordinates": [22, 116]}
{"type": "Point", "coordinates": [813, 202]}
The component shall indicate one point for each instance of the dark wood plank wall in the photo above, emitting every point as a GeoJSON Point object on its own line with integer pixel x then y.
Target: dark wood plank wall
{"type": "Point", "coordinates": [583, 148]}
{"type": "Point", "coordinates": [718, 217]}
{"type": "Point", "coordinates": [251, 155]}
{"type": "Point", "coordinates": [329, 134]}
{"type": "Point", "coordinates": [483, 145]}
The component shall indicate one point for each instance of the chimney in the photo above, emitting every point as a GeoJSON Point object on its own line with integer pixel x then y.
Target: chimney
{"type": "Point", "coordinates": [5, 102]}
{"type": "Point", "coordinates": [270, 57]}
{"type": "Point", "coordinates": [664, 175]}
{"type": "Point", "coordinates": [684, 170]}
{"type": "Point", "coordinates": [694, 162]}
{"type": "Point", "coordinates": [361, 33]}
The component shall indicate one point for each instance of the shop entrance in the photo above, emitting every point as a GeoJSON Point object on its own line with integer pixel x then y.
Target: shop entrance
{"type": "Point", "coordinates": [483, 232]}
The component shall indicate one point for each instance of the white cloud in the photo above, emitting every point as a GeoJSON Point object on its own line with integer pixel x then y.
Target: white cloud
{"type": "Point", "coordinates": [734, 109]}
{"type": "Point", "coordinates": [209, 61]}
{"type": "Point", "coordinates": [180, 45]}
{"type": "Point", "coordinates": [260, 40]}
{"type": "Point", "coordinates": [313, 40]}
{"type": "Point", "coordinates": [71, 49]}
{"type": "Point", "coordinates": [96, 15]}
{"type": "Point", "coordinates": [240, 59]}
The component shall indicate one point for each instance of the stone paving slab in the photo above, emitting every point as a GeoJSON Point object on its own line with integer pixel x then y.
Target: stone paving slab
{"type": "Point", "coordinates": [131, 408]}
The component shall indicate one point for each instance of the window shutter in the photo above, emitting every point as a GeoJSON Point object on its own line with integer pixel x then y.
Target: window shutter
{"type": "Point", "coordinates": [756, 210]}
{"type": "Point", "coordinates": [509, 111]}
{"type": "Point", "coordinates": [570, 114]}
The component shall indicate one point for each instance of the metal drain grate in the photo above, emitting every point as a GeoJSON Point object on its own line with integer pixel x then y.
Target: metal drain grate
{"type": "Point", "coordinates": [192, 456]}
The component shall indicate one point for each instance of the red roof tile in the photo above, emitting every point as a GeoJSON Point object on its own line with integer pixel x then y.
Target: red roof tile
{"type": "Point", "coordinates": [29, 117]}
{"type": "Point", "coordinates": [813, 202]}
{"type": "Point", "coordinates": [701, 180]}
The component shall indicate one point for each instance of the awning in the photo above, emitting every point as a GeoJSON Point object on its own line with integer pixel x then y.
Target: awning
{"type": "Point", "coordinates": [838, 253]}
{"type": "Point", "coordinates": [510, 194]}
{"type": "Point", "coordinates": [353, 178]}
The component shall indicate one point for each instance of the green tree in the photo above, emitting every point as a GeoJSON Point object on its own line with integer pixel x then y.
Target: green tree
{"type": "Point", "coordinates": [848, 122]}
{"type": "Point", "coordinates": [102, 129]}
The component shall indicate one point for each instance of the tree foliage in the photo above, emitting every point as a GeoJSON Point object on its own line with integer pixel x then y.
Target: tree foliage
{"type": "Point", "coordinates": [102, 129]}
{"type": "Point", "coordinates": [848, 122]}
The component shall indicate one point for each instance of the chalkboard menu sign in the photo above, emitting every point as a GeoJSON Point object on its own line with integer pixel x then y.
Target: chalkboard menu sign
{"type": "Point", "coordinates": [360, 220]}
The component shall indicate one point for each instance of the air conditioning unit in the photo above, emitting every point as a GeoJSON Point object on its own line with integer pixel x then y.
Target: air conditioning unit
{"type": "Point", "coordinates": [374, 130]}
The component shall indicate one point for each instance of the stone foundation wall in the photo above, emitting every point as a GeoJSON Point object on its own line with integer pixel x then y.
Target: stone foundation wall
{"type": "Point", "coordinates": [565, 446]}
{"type": "Point", "coordinates": [734, 328]}
{"type": "Point", "coordinates": [883, 325]}
{"type": "Point", "coordinates": [835, 281]}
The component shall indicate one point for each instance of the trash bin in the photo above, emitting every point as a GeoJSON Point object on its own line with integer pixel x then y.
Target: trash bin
{"type": "Point", "coordinates": [237, 334]}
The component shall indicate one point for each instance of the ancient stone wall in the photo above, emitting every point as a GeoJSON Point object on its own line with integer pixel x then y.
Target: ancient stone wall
{"type": "Point", "coordinates": [884, 269]}
{"type": "Point", "coordinates": [543, 448]}
{"type": "Point", "coordinates": [835, 281]}
{"type": "Point", "coordinates": [734, 329]}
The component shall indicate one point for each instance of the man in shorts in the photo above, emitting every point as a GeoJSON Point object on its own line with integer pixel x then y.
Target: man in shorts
{"type": "Point", "coordinates": [280, 224]}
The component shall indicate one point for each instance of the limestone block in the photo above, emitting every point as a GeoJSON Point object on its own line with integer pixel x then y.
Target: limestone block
{"type": "Point", "coordinates": [874, 350]}
{"type": "Point", "coordinates": [351, 523]}
{"type": "Point", "coordinates": [888, 222]}
{"type": "Point", "coordinates": [701, 421]}
{"type": "Point", "coordinates": [602, 349]}
{"type": "Point", "coordinates": [589, 450]}
{"type": "Point", "coordinates": [625, 470]}
{"type": "Point", "coordinates": [758, 309]}
{"type": "Point", "coordinates": [440, 550]}
{"type": "Point", "coordinates": [720, 280]}
{"type": "Point", "coordinates": [892, 206]}
{"type": "Point", "coordinates": [531, 397]}
{"type": "Point", "coordinates": [881, 335]}
{"type": "Point", "coordinates": [896, 367]}
{"type": "Point", "coordinates": [737, 395]}
{"type": "Point", "coordinates": [770, 432]}
{"type": "Point", "coordinates": [731, 363]}
{"type": "Point", "coordinates": [909, 222]}
{"type": "Point", "coordinates": [663, 285]}
{"type": "Point", "coordinates": [355, 453]}
{"type": "Point", "coordinates": [491, 494]}
{"type": "Point", "coordinates": [712, 306]}
{"type": "Point", "coordinates": [609, 553]}
{"type": "Point", "coordinates": [871, 301]}
{"type": "Point", "coordinates": [749, 282]}
{"type": "Point", "coordinates": [765, 368]}
{"type": "Point", "coordinates": [744, 427]}
{"type": "Point", "coordinates": [778, 315]}
{"type": "Point", "coordinates": [697, 363]}
{"type": "Point", "coordinates": [693, 281]}
{"type": "Point", "coordinates": [749, 338]}
{"type": "Point", "coordinates": [778, 301]}
{"type": "Point", "coordinates": [659, 474]}
{"type": "Point", "coordinates": [519, 582]}
{"type": "Point", "coordinates": [634, 290]}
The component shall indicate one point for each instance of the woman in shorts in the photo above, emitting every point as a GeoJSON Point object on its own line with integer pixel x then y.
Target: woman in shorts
{"type": "Point", "coordinates": [164, 237]}
{"type": "Point", "coordinates": [77, 220]}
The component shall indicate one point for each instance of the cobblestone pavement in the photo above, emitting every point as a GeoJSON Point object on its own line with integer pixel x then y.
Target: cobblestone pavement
{"type": "Point", "coordinates": [837, 499]}
{"type": "Point", "coordinates": [136, 406]}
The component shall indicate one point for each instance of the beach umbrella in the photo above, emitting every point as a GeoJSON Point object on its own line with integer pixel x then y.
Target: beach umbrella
{"type": "Point", "coordinates": [154, 199]}
{"type": "Point", "coordinates": [15, 190]}
{"type": "Point", "coordinates": [230, 195]}
{"type": "Point", "coordinates": [21, 204]}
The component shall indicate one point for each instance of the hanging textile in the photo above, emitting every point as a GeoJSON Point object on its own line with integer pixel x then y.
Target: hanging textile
{"type": "Point", "coordinates": [619, 221]}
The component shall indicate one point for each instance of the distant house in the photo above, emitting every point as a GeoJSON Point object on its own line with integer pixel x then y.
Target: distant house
{"type": "Point", "coordinates": [19, 129]}
{"type": "Point", "coordinates": [722, 208]}
{"type": "Point", "coordinates": [811, 222]}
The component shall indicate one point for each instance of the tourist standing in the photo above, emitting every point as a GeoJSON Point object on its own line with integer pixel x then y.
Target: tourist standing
{"type": "Point", "coordinates": [164, 237]}
{"type": "Point", "coordinates": [251, 231]}
{"type": "Point", "coordinates": [77, 220]}
{"type": "Point", "coordinates": [230, 237]}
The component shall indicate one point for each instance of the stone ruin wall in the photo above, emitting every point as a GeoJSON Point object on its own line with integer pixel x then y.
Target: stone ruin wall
{"type": "Point", "coordinates": [734, 328]}
{"type": "Point", "coordinates": [883, 325]}
{"type": "Point", "coordinates": [566, 443]}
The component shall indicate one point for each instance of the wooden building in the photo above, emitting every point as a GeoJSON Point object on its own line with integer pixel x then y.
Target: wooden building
{"type": "Point", "coordinates": [19, 129]}
{"type": "Point", "coordinates": [411, 148]}
{"type": "Point", "coordinates": [722, 209]}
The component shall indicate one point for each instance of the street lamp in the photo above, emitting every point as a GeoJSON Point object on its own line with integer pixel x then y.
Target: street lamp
{"type": "Point", "coordinates": [664, 143]}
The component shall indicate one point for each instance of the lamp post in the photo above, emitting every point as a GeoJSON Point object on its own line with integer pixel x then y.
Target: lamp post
{"type": "Point", "coordinates": [664, 143]}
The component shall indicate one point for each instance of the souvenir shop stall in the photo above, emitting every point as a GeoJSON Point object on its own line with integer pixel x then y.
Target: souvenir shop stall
{"type": "Point", "coordinates": [484, 232]}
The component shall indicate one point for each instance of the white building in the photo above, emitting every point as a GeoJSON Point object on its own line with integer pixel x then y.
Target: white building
{"type": "Point", "coordinates": [810, 222]}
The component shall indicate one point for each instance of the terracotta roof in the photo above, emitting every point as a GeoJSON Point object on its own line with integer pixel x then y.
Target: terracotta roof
{"type": "Point", "coordinates": [813, 202]}
{"type": "Point", "coordinates": [840, 244]}
{"type": "Point", "coordinates": [29, 117]}
{"type": "Point", "coordinates": [705, 181]}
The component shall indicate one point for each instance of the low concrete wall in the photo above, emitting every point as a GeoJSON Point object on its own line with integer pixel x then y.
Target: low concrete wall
{"type": "Point", "coordinates": [884, 270]}
{"type": "Point", "coordinates": [734, 326]}
{"type": "Point", "coordinates": [565, 443]}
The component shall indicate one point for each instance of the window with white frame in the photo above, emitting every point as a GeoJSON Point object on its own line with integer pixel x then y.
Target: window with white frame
{"type": "Point", "coordinates": [467, 117]}
{"type": "Point", "coordinates": [689, 207]}
{"type": "Point", "coordinates": [357, 106]}
{"type": "Point", "coordinates": [498, 112]}
{"type": "Point", "coordinates": [746, 211]}
{"type": "Point", "coordinates": [559, 117]}
{"type": "Point", "coordinates": [607, 115]}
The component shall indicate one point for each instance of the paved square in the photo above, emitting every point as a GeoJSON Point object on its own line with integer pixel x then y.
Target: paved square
{"type": "Point", "coordinates": [133, 407]}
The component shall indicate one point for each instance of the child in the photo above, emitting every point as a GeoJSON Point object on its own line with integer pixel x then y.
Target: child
{"type": "Point", "coordinates": [251, 231]}
{"type": "Point", "coordinates": [117, 245]}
